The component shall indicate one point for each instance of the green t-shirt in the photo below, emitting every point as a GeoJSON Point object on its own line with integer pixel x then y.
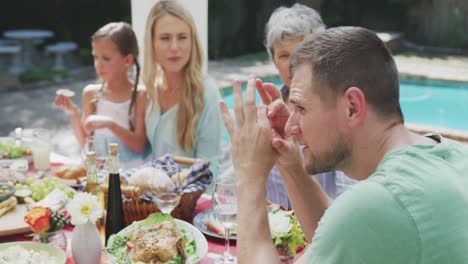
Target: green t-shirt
{"type": "Point", "coordinates": [413, 209]}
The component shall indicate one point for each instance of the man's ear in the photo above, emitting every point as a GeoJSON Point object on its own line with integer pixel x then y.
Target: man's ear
{"type": "Point", "coordinates": [355, 106]}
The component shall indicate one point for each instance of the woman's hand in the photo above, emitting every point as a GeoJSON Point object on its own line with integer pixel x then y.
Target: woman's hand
{"type": "Point", "coordinates": [94, 122]}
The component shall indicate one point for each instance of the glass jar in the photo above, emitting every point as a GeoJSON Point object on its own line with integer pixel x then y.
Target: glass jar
{"type": "Point", "coordinates": [56, 238]}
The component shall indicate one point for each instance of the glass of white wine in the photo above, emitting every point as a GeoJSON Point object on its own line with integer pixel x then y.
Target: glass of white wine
{"type": "Point", "coordinates": [224, 204]}
{"type": "Point", "coordinates": [166, 191]}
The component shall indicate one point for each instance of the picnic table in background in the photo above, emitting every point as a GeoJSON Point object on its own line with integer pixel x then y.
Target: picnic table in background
{"type": "Point", "coordinates": [26, 38]}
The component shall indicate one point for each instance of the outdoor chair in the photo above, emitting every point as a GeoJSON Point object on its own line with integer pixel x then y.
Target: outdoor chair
{"type": "Point", "coordinates": [14, 51]}
{"type": "Point", "coordinates": [59, 50]}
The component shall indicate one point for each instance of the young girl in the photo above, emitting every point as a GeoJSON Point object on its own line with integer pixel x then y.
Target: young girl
{"type": "Point", "coordinates": [182, 115]}
{"type": "Point", "coordinates": [113, 111]}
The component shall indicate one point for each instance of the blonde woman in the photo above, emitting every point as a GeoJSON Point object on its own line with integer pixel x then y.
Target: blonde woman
{"type": "Point", "coordinates": [182, 115]}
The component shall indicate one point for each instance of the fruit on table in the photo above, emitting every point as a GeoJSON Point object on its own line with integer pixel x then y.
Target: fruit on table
{"type": "Point", "coordinates": [40, 188]}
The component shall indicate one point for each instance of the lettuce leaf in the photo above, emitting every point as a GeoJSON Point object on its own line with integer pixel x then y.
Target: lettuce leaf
{"type": "Point", "coordinates": [155, 218]}
{"type": "Point", "coordinates": [294, 239]}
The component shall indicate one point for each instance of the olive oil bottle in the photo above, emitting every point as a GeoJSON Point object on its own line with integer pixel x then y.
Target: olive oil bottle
{"type": "Point", "coordinates": [93, 187]}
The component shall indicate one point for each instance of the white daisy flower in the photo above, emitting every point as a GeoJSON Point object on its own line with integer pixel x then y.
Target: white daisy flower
{"type": "Point", "coordinates": [84, 208]}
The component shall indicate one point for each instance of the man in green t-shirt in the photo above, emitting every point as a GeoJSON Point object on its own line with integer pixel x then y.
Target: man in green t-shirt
{"type": "Point", "coordinates": [411, 204]}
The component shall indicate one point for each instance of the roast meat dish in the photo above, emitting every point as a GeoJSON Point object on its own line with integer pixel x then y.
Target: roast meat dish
{"type": "Point", "coordinates": [157, 243]}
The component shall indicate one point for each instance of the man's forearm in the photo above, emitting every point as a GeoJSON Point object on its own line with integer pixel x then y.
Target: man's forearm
{"type": "Point", "coordinates": [307, 198]}
{"type": "Point", "coordinates": [254, 244]}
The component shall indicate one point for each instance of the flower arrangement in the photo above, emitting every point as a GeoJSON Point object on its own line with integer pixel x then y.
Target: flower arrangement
{"type": "Point", "coordinates": [287, 235]}
{"type": "Point", "coordinates": [84, 208]}
{"type": "Point", "coordinates": [43, 220]}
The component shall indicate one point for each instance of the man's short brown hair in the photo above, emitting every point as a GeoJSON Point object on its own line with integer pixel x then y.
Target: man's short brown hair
{"type": "Point", "coordinates": [346, 57]}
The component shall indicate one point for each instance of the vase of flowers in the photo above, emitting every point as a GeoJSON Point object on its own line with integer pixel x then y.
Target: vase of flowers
{"type": "Point", "coordinates": [47, 226]}
{"type": "Point", "coordinates": [86, 243]}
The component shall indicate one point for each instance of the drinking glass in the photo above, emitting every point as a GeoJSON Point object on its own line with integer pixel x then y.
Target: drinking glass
{"type": "Point", "coordinates": [224, 204]}
{"type": "Point", "coordinates": [166, 193]}
{"type": "Point", "coordinates": [41, 151]}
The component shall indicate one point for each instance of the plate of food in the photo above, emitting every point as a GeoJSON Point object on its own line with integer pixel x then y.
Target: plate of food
{"type": "Point", "coordinates": [159, 238]}
{"type": "Point", "coordinates": [286, 233]}
{"type": "Point", "coordinates": [31, 252]}
{"type": "Point", "coordinates": [69, 174]}
{"type": "Point", "coordinates": [10, 152]}
{"type": "Point", "coordinates": [209, 225]}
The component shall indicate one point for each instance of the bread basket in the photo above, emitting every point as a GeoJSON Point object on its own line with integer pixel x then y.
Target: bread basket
{"type": "Point", "coordinates": [136, 209]}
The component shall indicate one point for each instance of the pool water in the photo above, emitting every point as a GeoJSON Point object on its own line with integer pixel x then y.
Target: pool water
{"type": "Point", "coordinates": [433, 103]}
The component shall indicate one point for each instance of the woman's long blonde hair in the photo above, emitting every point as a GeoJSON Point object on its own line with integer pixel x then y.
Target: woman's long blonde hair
{"type": "Point", "coordinates": [191, 100]}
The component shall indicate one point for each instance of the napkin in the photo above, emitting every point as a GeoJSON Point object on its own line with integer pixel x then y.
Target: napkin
{"type": "Point", "coordinates": [198, 177]}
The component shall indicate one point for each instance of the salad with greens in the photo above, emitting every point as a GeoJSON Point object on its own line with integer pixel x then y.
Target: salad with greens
{"type": "Point", "coordinates": [157, 239]}
{"type": "Point", "coordinates": [287, 235]}
{"type": "Point", "coordinates": [8, 150]}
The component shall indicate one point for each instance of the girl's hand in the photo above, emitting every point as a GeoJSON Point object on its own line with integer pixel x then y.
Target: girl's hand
{"type": "Point", "coordinates": [94, 122]}
{"type": "Point", "coordinates": [65, 103]}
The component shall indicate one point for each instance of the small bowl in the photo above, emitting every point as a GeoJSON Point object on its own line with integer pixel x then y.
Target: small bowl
{"type": "Point", "coordinates": [6, 191]}
{"type": "Point", "coordinates": [22, 194]}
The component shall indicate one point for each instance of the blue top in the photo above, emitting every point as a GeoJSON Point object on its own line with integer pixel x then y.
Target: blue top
{"type": "Point", "coordinates": [161, 130]}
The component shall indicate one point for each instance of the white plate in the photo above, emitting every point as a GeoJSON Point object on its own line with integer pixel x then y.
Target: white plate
{"type": "Point", "coordinates": [37, 247]}
{"type": "Point", "coordinates": [202, 243]}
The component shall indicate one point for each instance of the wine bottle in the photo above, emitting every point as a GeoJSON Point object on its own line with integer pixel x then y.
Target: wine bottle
{"type": "Point", "coordinates": [114, 216]}
{"type": "Point", "coordinates": [94, 188]}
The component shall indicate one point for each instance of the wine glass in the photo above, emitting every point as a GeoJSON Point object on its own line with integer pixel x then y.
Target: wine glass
{"type": "Point", "coordinates": [166, 187]}
{"type": "Point", "coordinates": [224, 204]}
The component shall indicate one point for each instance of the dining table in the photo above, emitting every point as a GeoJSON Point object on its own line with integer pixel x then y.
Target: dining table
{"type": "Point", "coordinates": [216, 246]}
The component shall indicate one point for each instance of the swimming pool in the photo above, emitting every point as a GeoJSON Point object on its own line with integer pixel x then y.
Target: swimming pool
{"type": "Point", "coordinates": [433, 103]}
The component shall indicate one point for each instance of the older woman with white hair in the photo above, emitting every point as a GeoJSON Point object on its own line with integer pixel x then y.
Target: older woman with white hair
{"type": "Point", "coordinates": [285, 30]}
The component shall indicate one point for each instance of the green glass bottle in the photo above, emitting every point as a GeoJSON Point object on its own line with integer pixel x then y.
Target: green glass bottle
{"type": "Point", "coordinates": [114, 216]}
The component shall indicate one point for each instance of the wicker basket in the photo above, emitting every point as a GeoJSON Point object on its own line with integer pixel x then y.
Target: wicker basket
{"type": "Point", "coordinates": [135, 209]}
